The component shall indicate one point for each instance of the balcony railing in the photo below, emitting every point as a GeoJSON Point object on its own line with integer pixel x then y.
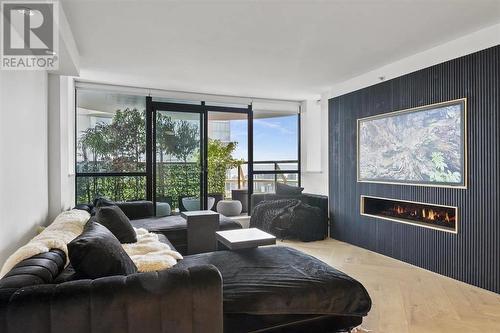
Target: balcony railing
{"type": "Point", "coordinates": [174, 180]}
{"type": "Point", "coordinates": [266, 175]}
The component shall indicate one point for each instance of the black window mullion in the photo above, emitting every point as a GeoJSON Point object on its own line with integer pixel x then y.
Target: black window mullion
{"type": "Point", "coordinates": [204, 159]}
{"type": "Point", "coordinates": [250, 157]}
{"type": "Point", "coordinates": [149, 152]}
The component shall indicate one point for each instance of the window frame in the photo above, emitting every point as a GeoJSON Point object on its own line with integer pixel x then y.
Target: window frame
{"type": "Point", "coordinates": [105, 174]}
{"type": "Point", "coordinates": [204, 109]}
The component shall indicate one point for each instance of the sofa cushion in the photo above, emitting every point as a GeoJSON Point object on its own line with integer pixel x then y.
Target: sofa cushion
{"type": "Point", "coordinates": [69, 273]}
{"type": "Point", "coordinates": [98, 253]}
{"type": "Point", "coordinates": [86, 207]}
{"type": "Point", "coordinates": [176, 222]}
{"type": "Point", "coordinates": [283, 189]}
{"type": "Point", "coordinates": [282, 280]}
{"type": "Point", "coordinates": [39, 269]}
{"type": "Point", "coordinates": [137, 209]}
{"type": "Point", "coordinates": [162, 238]}
{"type": "Point", "coordinates": [113, 218]}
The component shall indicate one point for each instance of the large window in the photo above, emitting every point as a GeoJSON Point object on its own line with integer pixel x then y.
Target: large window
{"type": "Point", "coordinates": [276, 150]}
{"type": "Point", "coordinates": [133, 147]}
{"type": "Point", "coordinates": [110, 146]}
{"type": "Point", "coordinates": [227, 152]}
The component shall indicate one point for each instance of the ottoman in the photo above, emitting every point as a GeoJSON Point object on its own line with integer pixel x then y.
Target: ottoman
{"type": "Point", "coordinates": [229, 207]}
{"type": "Point", "coordinates": [275, 286]}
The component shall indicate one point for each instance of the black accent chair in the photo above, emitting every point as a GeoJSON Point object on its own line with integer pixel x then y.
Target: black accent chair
{"type": "Point", "coordinates": [315, 200]}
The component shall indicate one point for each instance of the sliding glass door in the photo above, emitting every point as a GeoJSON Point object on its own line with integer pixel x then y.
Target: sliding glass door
{"type": "Point", "coordinates": [227, 154]}
{"type": "Point", "coordinates": [199, 153]}
{"type": "Point", "coordinates": [178, 164]}
{"type": "Point", "coordinates": [186, 154]}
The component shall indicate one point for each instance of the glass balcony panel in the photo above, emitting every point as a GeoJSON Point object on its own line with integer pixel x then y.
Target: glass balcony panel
{"type": "Point", "coordinates": [267, 183]}
{"type": "Point", "coordinates": [227, 148]}
{"type": "Point", "coordinates": [178, 143]}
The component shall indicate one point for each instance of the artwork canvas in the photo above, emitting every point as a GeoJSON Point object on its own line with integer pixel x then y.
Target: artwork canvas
{"type": "Point", "coordinates": [421, 146]}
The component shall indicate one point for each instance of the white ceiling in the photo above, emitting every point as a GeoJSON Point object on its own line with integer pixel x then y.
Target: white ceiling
{"type": "Point", "coordinates": [273, 49]}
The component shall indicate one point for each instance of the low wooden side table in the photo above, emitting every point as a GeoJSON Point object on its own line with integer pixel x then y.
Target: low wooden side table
{"type": "Point", "coordinates": [240, 239]}
{"type": "Point", "coordinates": [201, 228]}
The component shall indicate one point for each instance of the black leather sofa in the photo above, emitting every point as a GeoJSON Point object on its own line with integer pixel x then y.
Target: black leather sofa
{"type": "Point", "coordinates": [276, 289]}
{"type": "Point", "coordinates": [315, 200]}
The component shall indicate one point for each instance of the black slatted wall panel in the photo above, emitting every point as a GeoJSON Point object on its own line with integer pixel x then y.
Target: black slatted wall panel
{"type": "Point", "coordinates": [473, 255]}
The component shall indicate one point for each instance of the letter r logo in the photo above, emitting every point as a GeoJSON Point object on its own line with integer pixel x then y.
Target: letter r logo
{"type": "Point", "coordinates": [28, 28]}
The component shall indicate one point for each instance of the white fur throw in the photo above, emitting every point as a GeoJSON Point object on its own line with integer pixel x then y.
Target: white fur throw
{"type": "Point", "coordinates": [63, 230]}
{"type": "Point", "coordinates": [149, 254]}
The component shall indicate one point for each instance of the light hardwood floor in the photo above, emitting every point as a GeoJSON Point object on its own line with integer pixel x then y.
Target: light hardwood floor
{"type": "Point", "coordinates": [407, 298]}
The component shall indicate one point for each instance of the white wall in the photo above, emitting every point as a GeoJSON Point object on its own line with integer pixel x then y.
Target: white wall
{"type": "Point", "coordinates": [61, 139]}
{"type": "Point", "coordinates": [317, 182]}
{"type": "Point", "coordinates": [314, 147]}
{"type": "Point", "coordinates": [23, 157]}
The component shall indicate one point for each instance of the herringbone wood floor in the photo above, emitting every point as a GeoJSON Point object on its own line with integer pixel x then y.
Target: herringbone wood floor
{"type": "Point", "coordinates": [407, 298]}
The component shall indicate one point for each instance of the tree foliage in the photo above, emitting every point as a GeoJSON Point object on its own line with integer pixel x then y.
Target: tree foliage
{"type": "Point", "coordinates": [120, 146]}
{"type": "Point", "coordinates": [220, 161]}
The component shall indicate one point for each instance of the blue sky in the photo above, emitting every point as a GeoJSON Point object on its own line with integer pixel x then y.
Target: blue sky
{"type": "Point", "coordinates": [274, 138]}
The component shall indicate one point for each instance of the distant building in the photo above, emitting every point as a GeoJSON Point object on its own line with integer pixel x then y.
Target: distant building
{"type": "Point", "coordinates": [220, 130]}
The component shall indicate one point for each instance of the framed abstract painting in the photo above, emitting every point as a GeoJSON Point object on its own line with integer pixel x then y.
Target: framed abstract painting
{"type": "Point", "coordinates": [424, 146]}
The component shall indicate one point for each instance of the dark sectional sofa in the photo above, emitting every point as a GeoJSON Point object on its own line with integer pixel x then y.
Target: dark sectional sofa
{"type": "Point", "coordinates": [174, 227]}
{"type": "Point", "coordinates": [273, 288]}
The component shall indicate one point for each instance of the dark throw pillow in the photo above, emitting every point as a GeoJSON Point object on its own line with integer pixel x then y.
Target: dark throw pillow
{"type": "Point", "coordinates": [97, 253]}
{"type": "Point", "coordinates": [283, 189]}
{"type": "Point", "coordinates": [103, 202]}
{"type": "Point", "coordinates": [113, 218]}
{"type": "Point", "coordinates": [86, 207]}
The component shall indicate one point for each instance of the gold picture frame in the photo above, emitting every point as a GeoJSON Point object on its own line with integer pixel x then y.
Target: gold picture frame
{"type": "Point", "coordinates": [464, 176]}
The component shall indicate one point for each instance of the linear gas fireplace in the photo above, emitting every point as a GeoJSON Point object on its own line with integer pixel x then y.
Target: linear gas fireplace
{"type": "Point", "coordinates": [438, 217]}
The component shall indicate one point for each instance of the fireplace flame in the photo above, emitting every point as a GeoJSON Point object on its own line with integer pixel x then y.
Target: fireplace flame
{"type": "Point", "coordinates": [400, 210]}
{"type": "Point", "coordinates": [434, 215]}
{"type": "Point", "coordinates": [430, 214]}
